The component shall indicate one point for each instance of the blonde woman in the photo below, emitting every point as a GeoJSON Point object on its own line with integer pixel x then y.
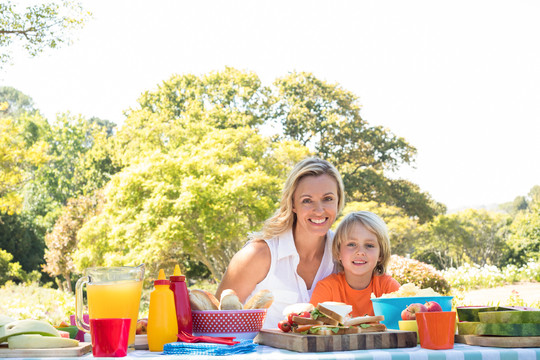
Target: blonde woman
{"type": "Point", "coordinates": [361, 250]}
{"type": "Point", "coordinates": [294, 249]}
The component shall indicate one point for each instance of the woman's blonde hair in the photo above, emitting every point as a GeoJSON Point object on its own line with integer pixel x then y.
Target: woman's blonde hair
{"type": "Point", "coordinates": [285, 217]}
{"type": "Point", "coordinates": [374, 224]}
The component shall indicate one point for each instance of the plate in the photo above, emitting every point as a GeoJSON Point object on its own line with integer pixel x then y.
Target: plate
{"type": "Point", "coordinates": [141, 342]}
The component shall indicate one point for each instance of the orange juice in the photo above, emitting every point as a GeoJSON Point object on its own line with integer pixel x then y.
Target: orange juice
{"type": "Point", "coordinates": [115, 300]}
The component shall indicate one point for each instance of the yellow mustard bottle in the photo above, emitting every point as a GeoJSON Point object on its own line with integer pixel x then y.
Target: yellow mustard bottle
{"type": "Point", "coordinates": [162, 325]}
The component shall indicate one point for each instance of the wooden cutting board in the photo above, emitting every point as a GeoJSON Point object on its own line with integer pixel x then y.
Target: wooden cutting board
{"type": "Point", "coordinates": [318, 343]}
{"type": "Point", "coordinates": [83, 348]}
{"type": "Point", "coordinates": [499, 341]}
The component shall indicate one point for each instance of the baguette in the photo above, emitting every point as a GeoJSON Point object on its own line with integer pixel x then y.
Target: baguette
{"type": "Point", "coordinates": [261, 300]}
{"type": "Point", "coordinates": [202, 300]}
{"type": "Point", "coordinates": [297, 308]}
{"type": "Point", "coordinates": [229, 301]}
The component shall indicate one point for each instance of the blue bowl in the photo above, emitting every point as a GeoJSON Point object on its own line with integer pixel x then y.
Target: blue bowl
{"type": "Point", "coordinates": [391, 308]}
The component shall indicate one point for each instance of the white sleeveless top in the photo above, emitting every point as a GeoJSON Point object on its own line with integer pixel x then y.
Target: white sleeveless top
{"type": "Point", "coordinates": [283, 279]}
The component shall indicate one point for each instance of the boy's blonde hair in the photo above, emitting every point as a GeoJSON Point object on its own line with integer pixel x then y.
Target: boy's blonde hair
{"type": "Point", "coordinates": [285, 217]}
{"type": "Point", "coordinates": [374, 224]}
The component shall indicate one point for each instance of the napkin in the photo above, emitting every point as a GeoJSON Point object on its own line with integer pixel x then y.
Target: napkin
{"type": "Point", "coordinates": [203, 348]}
{"type": "Point", "coordinates": [189, 338]}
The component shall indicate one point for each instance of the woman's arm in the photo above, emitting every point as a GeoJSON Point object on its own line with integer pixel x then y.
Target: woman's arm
{"type": "Point", "coordinates": [247, 268]}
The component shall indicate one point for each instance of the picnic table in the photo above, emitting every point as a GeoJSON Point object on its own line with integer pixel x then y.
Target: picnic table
{"type": "Point", "coordinates": [459, 352]}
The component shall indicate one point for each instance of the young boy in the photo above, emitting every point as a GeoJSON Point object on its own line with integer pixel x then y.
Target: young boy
{"type": "Point", "coordinates": [361, 250]}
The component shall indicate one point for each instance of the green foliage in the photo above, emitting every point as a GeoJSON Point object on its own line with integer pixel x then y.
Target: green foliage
{"type": "Point", "coordinates": [475, 236]}
{"type": "Point", "coordinates": [19, 155]}
{"type": "Point", "coordinates": [402, 229]}
{"type": "Point", "coordinates": [524, 238]}
{"type": "Point", "coordinates": [19, 238]}
{"type": "Point", "coordinates": [422, 275]}
{"type": "Point", "coordinates": [62, 240]}
{"type": "Point", "coordinates": [80, 161]}
{"type": "Point", "coordinates": [30, 301]}
{"type": "Point", "coordinates": [186, 107]}
{"type": "Point", "coordinates": [200, 200]}
{"type": "Point", "coordinates": [9, 271]}
{"type": "Point", "coordinates": [37, 27]}
{"type": "Point", "coordinates": [467, 276]}
{"type": "Point", "coordinates": [326, 118]}
{"type": "Point", "coordinates": [523, 203]}
{"type": "Point", "coordinates": [15, 102]}
{"type": "Point", "coordinates": [534, 195]}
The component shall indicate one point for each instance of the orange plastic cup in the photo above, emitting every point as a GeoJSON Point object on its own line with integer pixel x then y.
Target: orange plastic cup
{"type": "Point", "coordinates": [436, 329]}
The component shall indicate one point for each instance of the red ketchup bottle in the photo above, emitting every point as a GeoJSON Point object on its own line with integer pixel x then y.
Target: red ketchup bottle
{"type": "Point", "coordinates": [181, 301]}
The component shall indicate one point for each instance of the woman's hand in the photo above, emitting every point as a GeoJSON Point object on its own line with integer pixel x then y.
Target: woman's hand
{"type": "Point", "coordinates": [247, 268]}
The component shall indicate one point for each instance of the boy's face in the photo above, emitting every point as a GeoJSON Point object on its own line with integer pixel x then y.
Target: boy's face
{"type": "Point", "coordinates": [359, 254]}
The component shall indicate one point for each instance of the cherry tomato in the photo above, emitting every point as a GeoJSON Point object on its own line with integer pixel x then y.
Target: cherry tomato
{"type": "Point", "coordinates": [289, 318]}
{"type": "Point", "coordinates": [303, 328]}
{"type": "Point", "coordinates": [305, 314]}
{"type": "Point", "coordinates": [284, 326]}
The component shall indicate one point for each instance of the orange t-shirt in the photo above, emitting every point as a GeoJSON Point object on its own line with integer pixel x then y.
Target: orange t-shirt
{"type": "Point", "coordinates": [335, 288]}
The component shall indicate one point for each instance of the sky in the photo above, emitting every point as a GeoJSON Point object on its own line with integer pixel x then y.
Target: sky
{"type": "Point", "coordinates": [459, 80]}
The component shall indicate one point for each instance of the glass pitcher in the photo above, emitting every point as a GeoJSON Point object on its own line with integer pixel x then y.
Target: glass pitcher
{"type": "Point", "coordinates": [112, 292]}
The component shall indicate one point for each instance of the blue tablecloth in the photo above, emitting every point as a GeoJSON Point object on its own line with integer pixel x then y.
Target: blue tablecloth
{"type": "Point", "coordinates": [459, 352]}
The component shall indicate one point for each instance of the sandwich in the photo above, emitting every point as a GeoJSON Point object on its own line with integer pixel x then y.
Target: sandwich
{"type": "Point", "coordinates": [333, 318]}
{"type": "Point", "coordinates": [331, 312]}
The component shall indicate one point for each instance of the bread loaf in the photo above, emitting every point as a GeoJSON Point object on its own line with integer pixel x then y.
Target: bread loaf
{"type": "Point", "coordinates": [202, 300]}
{"type": "Point", "coordinates": [261, 300]}
{"type": "Point", "coordinates": [229, 301]}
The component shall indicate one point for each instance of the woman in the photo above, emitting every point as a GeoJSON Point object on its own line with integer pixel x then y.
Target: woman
{"type": "Point", "coordinates": [294, 249]}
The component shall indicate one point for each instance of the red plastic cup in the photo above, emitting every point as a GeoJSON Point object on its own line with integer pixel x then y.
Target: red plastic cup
{"type": "Point", "coordinates": [110, 336]}
{"type": "Point", "coordinates": [436, 329]}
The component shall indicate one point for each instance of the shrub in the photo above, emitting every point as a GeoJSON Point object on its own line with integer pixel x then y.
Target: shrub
{"type": "Point", "coordinates": [9, 270]}
{"type": "Point", "coordinates": [30, 301]}
{"type": "Point", "coordinates": [416, 272]}
{"type": "Point", "coordinates": [469, 276]}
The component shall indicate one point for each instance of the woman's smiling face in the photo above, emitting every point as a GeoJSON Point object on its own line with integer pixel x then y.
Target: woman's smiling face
{"type": "Point", "coordinates": [315, 202]}
{"type": "Point", "coordinates": [359, 254]}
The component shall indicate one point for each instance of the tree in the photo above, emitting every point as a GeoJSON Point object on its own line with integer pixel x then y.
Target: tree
{"type": "Point", "coordinates": [488, 231]}
{"type": "Point", "coordinates": [15, 102]}
{"type": "Point", "coordinates": [62, 240]}
{"type": "Point", "coordinates": [442, 242]}
{"type": "Point", "coordinates": [37, 27]}
{"type": "Point", "coordinates": [80, 161]}
{"type": "Point", "coordinates": [322, 116]}
{"type": "Point", "coordinates": [470, 236]}
{"type": "Point", "coordinates": [21, 153]}
{"type": "Point", "coordinates": [186, 107]}
{"type": "Point", "coordinates": [9, 270]}
{"type": "Point", "coordinates": [326, 118]}
{"type": "Point", "coordinates": [534, 194]}
{"type": "Point", "coordinates": [524, 238]}
{"type": "Point", "coordinates": [19, 238]}
{"type": "Point", "coordinates": [402, 229]}
{"type": "Point", "coordinates": [522, 203]}
{"type": "Point", "coordinates": [199, 200]}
